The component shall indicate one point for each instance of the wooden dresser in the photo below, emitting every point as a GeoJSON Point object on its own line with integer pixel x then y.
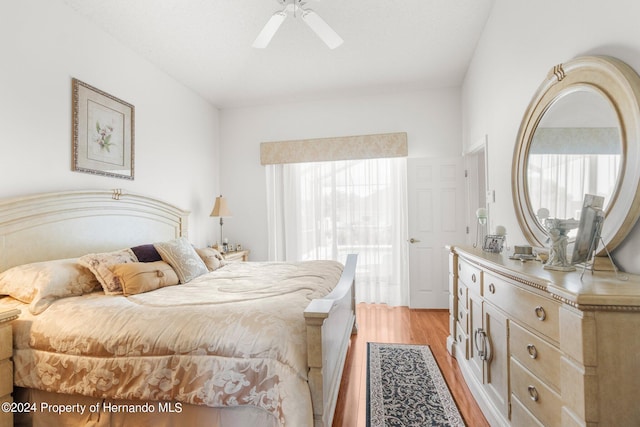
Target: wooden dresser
{"type": "Point", "coordinates": [6, 366]}
{"type": "Point", "coordinates": [545, 348]}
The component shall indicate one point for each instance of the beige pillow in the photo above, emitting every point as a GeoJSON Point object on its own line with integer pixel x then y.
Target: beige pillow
{"type": "Point", "coordinates": [139, 277]}
{"type": "Point", "coordinates": [211, 257]}
{"type": "Point", "coordinates": [183, 258]}
{"type": "Point", "coordinates": [99, 265]}
{"type": "Point", "coordinates": [39, 284]}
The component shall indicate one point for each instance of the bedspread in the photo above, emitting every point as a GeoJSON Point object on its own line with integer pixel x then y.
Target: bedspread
{"type": "Point", "coordinates": [235, 336]}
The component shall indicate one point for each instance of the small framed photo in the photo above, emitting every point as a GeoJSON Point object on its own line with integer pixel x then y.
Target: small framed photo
{"type": "Point", "coordinates": [493, 243]}
{"type": "Point", "coordinates": [591, 219]}
{"type": "Point", "coordinates": [103, 133]}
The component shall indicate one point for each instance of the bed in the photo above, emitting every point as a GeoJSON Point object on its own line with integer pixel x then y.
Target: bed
{"type": "Point", "coordinates": [211, 347]}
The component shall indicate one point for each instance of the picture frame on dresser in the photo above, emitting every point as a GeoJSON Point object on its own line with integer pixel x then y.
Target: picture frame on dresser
{"type": "Point", "coordinates": [591, 218]}
{"type": "Point", "coordinates": [102, 133]}
{"type": "Point", "coordinates": [493, 243]}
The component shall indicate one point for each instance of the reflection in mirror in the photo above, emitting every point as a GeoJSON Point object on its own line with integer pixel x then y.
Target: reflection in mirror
{"type": "Point", "coordinates": [576, 150]}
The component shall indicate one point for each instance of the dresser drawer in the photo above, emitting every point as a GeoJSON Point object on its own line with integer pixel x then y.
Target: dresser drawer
{"type": "Point", "coordinates": [535, 354]}
{"type": "Point", "coordinates": [520, 416]}
{"type": "Point", "coordinates": [6, 377]}
{"type": "Point", "coordinates": [6, 342]}
{"type": "Point", "coordinates": [470, 276]}
{"type": "Point", "coordinates": [536, 312]}
{"type": "Point", "coordinates": [462, 341]}
{"type": "Point", "coordinates": [544, 403]}
{"type": "Point", "coordinates": [462, 316]}
{"type": "Point", "coordinates": [462, 294]}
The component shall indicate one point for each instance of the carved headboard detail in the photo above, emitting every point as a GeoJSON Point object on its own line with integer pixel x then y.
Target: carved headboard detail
{"type": "Point", "coordinates": [70, 224]}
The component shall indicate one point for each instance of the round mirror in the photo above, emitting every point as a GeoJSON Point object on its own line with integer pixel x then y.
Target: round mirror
{"type": "Point", "coordinates": [580, 135]}
{"type": "Point", "coordinates": [576, 149]}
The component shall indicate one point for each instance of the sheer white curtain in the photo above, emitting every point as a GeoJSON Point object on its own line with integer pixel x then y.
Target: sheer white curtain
{"type": "Point", "coordinates": [559, 182]}
{"type": "Point", "coordinates": [327, 210]}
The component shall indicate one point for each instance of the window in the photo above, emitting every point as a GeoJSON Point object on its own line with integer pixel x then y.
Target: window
{"type": "Point", "coordinates": [326, 210]}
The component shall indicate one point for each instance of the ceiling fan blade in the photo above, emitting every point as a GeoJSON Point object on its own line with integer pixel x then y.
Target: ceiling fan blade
{"type": "Point", "coordinates": [269, 30]}
{"type": "Point", "coordinates": [322, 29]}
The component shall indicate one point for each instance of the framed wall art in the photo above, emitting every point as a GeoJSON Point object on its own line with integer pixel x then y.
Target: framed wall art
{"type": "Point", "coordinates": [103, 133]}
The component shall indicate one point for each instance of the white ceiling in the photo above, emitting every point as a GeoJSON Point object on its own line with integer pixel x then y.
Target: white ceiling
{"type": "Point", "coordinates": [206, 45]}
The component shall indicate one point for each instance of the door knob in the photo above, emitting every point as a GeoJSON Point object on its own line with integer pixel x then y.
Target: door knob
{"type": "Point", "coordinates": [412, 240]}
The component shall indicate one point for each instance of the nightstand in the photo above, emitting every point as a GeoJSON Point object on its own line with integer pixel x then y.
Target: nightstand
{"type": "Point", "coordinates": [6, 366]}
{"type": "Point", "coordinates": [236, 256]}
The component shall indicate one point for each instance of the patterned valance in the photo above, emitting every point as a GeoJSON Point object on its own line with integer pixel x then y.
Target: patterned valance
{"type": "Point", "coordinates": [331, 149]}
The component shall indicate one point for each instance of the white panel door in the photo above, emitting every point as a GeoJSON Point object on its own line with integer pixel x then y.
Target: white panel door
{"type": "Point", "coordinates": [436, 218]}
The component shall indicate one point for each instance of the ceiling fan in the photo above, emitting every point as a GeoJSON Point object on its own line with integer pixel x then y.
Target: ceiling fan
{"type": "Point", "coordinates": [312, 19]}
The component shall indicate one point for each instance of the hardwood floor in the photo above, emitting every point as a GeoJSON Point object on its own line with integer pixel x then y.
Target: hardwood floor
{"type": "Point", "coordinates": [380, 323]}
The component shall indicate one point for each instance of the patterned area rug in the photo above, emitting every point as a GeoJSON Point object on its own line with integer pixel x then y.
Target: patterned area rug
{"type": "Point", "coordinates": [405, 388]}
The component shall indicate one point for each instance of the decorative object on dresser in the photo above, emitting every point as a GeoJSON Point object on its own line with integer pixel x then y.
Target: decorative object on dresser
{"type": "Point", "coordinates": [221, 210]}
{"type": "Point", "coordinates": [481, 227]}
{"type": "Point", "coordinates": [102, 133]}
{"type": "Point", "coordinates": [493, 243]}
{"type": "Point", "coordinates": [6, 366]}
{"type": "Point", "coordinates": [591, 219]}
{"type": "Point", "coordinates": [405, 387]}
{"type": "Point", "coordinates": [543, 347]}
{"type": "Point", "coordinates": [523, 253]}
{"type": "Point", "coordinates": [558, 230]}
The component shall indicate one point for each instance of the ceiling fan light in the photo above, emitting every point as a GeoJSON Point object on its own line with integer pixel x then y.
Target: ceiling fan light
{"type": "Point", "coordinates": [322, 29]}
{"type": "Point", "coordinates": [269, 30]}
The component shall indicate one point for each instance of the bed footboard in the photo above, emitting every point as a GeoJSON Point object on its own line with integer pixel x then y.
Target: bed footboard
{"type": "Point", "coordinates": [330, 323]}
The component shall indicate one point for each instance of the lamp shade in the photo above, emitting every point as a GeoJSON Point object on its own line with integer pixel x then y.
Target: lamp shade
{"type": "Point", "coordinates": [220, 209]}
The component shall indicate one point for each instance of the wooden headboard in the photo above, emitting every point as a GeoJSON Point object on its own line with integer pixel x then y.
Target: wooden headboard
{"type": "Point", "coordinates": [70, 224]}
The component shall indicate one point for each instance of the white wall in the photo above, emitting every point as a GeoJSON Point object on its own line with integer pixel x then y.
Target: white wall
{"type": "Point", "coordinates": [521, 42]}
{"type": "Point", "coordinates": [43, 45]}
{"type": "Point", "coordinates": [431, 118]}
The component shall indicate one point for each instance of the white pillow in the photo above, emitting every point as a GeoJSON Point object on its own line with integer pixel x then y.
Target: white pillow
{"type": "Point", "coordinates": [39, 284]}
{"type": "Point", "coordinates": [183, 258]}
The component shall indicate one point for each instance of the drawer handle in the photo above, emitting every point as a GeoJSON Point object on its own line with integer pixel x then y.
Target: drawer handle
{"type": "Point", "coordinates": [540, 313]}
{"type": "Point", "coordinates": [459, 338]}
{"type": "Point", "coordinates": [492, 288]}
{"type": "Point", "coordinates": [533, 351]}
{"type": "Point", "coordinates": [461, 315]}
{"type": "Point", "coordinates": [460, 291]}
{"type": "Point", "coordinates": [533, 393]}
{"type": "Point", "coordinates": [459, 267]}
{"type": "Point", "coordinates": [473, 277]}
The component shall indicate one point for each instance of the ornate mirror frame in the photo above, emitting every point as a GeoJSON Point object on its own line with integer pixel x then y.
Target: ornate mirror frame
{"type": "Point", "coordinates": [620, 85]}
